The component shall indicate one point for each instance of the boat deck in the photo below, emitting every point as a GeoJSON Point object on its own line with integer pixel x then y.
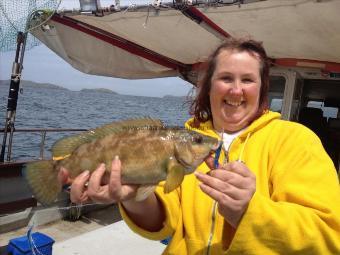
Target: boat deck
{"type": "Point", "coordinates": [116, 238]}
{"type": "Point", "coordinates": [97, 232]}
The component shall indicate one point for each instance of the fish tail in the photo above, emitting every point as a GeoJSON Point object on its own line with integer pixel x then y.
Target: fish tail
{"type": "Point", "coordinates": [43, 180]}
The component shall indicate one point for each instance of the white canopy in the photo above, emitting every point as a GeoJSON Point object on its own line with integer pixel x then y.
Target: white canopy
{"type": "Point", "coordinates": [149, 43]}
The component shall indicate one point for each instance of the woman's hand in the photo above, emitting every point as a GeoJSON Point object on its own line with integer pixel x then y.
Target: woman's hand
{"type": "Point", "coordinates": [148, 214]}
{"type": "Point", "coordinates": [96, 187]}
{"type": "Point", "coordinates": [232, 186]}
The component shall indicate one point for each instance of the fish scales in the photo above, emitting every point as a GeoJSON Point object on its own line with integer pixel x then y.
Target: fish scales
{"type": "Point", "coordinates": [148, 156]}
{"type": "Point", "coordinates": [146, 166]}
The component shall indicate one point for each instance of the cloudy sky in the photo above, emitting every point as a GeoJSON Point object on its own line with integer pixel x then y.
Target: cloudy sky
{"type": "Point", "coordinates": [43, 65]}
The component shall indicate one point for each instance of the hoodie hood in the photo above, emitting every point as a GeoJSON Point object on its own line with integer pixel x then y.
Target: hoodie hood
{"type": "Point", "coordinates": [206, 128]}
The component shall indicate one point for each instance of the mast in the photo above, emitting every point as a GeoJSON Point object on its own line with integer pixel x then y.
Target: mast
{"type": "Point", "coordinates": [13, 96]}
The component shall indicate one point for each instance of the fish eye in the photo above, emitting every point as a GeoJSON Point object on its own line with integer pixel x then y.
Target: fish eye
{"type": "Point", "coordinates": [197, 139]}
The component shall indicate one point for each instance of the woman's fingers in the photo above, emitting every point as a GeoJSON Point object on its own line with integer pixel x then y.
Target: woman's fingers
{"type": "Point", "coordinates": [64, 176]}
{"type": "Point", "coordinates": [97, 191]}
{"type": "Point", "coordinates": [239, 168]}
{"type": "Point", "coordinates": [95, 181]}
{"type": "Point", "coordinates": [221, 187]}
{"type": "Point", "coordinates": [210, 162]}
{"type": "Point", "coordinates": [115, 184]}
{"type": "Point", "coordinates": [229, 177]}
{"type": "Point", "coordinates": [232, 187]}
{"type": "Point", "coordinates": [100, 188]}
{"type": "Point", "coordinates": [78, 192]}
{"type": "Point", "coordinates": [214, 193]}
{"type": "Point", "coordinates": [118, 191]}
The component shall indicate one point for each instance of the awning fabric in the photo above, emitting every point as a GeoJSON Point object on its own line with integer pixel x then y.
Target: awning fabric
{"type": "Point", "coordinates": [145, 43]}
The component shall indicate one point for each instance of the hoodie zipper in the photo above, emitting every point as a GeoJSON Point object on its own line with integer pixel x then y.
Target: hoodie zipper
{"type": "Point", "coordinates": [213, 212]}
{"type": "Point", "coordinates": [212, 229]}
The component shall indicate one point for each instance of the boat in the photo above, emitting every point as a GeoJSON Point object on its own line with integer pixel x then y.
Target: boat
{"type": "Point", "coordinates": [174, 39]}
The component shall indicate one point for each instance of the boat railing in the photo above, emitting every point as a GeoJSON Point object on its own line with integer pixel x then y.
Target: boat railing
{"type": "Point", "coordinates": [16, 201]}
{"type": "Point", "coordinates": [43, 132]}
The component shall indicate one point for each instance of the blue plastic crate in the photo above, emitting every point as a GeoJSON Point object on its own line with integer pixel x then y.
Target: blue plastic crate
{"type": "Point", "coordinates": [42, 244]}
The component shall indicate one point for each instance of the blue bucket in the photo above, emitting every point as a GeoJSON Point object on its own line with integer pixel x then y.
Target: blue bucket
{"type": "Point", "coordinates": [39, 244]}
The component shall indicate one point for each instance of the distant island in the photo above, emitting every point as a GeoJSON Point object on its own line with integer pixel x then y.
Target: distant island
{"type": "Point", "coordinates": [32, 84]}
{"type": "Point", "coordinates": [102, 90]}
{"type": "Point", "coordinates": [36, 85]}
{"type": "Point", "coordinates": [171, 96]}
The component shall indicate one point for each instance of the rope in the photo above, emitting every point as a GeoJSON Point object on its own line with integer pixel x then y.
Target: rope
{"type": "Point", "coordinates": [32, 245]}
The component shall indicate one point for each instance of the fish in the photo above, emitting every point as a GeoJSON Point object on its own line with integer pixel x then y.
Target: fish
{"type": "Point", "coordinates": [149, 152]}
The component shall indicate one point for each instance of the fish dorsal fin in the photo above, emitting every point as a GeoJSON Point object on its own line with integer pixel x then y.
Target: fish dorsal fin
{"type": "Point", "coordinates": [65, 146]}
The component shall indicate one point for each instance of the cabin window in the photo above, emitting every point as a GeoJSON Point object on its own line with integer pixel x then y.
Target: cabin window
{"type": "Point", "coordinates": [276, 92]}
{"type": "Point", "coordinates": [328, 112]}
{"type": "Point", "coordinates": [320, 111]}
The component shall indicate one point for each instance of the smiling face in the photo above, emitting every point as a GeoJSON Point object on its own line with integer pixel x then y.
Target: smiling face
{"type": "Point", "coordinates": [235, 90]}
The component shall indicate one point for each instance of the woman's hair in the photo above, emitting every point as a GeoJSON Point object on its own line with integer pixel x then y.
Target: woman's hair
{"type": "Point", "coordinates": [200, 106]}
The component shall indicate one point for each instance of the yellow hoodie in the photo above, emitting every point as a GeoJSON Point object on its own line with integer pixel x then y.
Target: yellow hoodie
{"type": "Point", "coordinates": [295, 209]}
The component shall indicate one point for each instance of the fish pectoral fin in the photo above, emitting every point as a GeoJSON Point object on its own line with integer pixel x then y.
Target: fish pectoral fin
{"type": "Point", "coordinates": [183, 152]}
{"type": "Point", "coordinates": [175, 176]}
{"type": "Point", "coordinates": [144, 191]}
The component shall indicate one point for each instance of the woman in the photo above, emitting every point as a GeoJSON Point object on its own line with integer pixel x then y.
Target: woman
{"type": "Point", "coordinates": [273, 191]}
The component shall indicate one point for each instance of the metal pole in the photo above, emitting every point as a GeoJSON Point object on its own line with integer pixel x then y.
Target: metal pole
{"type": "Point", "coordinates": [13, 95]}
{"type": "Point", "coordinates": [42, 144]}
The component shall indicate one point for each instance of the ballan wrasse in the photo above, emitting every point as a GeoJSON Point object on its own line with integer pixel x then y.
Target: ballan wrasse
{"type": "Point", "coordinates": [149, 153]}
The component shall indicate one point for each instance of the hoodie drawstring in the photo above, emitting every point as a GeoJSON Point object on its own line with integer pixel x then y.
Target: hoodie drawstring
{"type": "Point", "coordinates": [240, 158]}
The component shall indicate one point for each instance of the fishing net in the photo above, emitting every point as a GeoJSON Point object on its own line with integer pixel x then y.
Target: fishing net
{"type": "Point", "coordinates": [23, 16]}
{"type": "Point", "coordinates": [17, 19]}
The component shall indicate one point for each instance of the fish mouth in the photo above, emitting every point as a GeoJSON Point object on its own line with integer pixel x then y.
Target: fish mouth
{"type": "Point", "coordinates": [215, 147]}
{"type": "Point", "coordinates": [211, 153]}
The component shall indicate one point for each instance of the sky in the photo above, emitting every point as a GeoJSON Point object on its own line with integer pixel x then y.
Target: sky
{"type": "Point", "coordinates": [44, 66]}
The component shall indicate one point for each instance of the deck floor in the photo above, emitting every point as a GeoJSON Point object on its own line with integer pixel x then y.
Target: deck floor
{"type": "Point", "coordinates": [97, 232]}
{"type": "Point", "coordinates": [115, 239]}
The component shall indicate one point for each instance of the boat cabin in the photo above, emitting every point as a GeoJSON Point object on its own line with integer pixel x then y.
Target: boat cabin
{"type": "Point", "coordinates": [311, 97]}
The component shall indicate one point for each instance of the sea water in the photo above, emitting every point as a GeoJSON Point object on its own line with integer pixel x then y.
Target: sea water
{"type": "Point", "coordinates": [40, 107]}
